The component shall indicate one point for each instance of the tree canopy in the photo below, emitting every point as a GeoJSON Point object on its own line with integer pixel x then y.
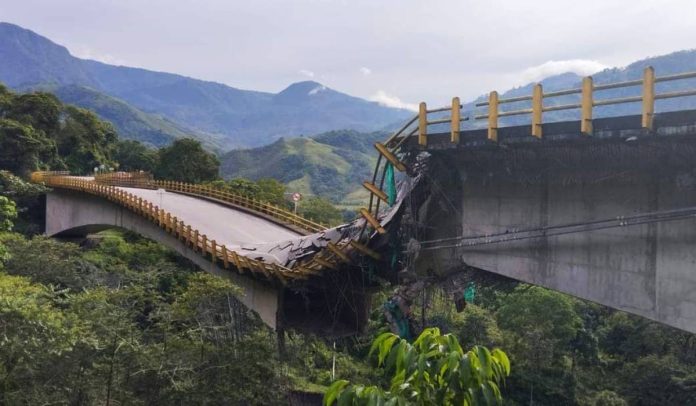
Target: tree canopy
{"type": "Point", "coordinates": [185, 160]}
{"type": "Point", "coordinates": [37, 131]}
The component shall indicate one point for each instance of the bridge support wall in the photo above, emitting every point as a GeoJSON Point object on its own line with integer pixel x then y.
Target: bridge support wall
{"type": "Point", "coordinates": [648, 270]}
{"type": "Point", "coordinates": [71, 213]}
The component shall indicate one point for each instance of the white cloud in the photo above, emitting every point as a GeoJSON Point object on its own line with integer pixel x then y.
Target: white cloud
{"type": "Point", "coordinates": [581, 67]}
{"type": "Point", "coordinates": [84, 52]}
{"type": "Point", "coordinates": [317, 90]}
{"type": "Point", "coordinates": [366, 71]}
{"type": "Point", "coordinates": [388, 100]}
{"type": "Point", "coordinates": [305, 72]}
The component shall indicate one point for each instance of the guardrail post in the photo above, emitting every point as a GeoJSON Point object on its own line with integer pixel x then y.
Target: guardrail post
{"type": "Point", "coordinates": [195, 240]}
{"type": "Point", "coordinates": [422, 124]}
{"type": "Point", "coordinates": [493, 116]}
{"type": "Point", "coordinates": [456, 118]}
{"type": "Point", "coordinates": [225, 259]}
{"type": "Point", "coordinates": [537, 109]}
{"type": "Point", "coordinates": [648, 97]}
{"type": "Point", "coordinates": [586, 106]}
{"type": "Point", "coordinates": [213, 245]}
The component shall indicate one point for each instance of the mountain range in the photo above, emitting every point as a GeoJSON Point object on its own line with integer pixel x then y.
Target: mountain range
{"type": "Point", "coordinates": [156, 107]}
{"type": "Point", "coordinates": [334, 164]}
{"type": "Point", "coordinates": [274, 133]}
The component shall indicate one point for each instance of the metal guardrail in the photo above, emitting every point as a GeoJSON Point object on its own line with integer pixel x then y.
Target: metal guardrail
{"type": "Point", "coordinates": [192, 237]}
{"type": "Point", "coordinates": [145, 180]}
{"type": "Point", "coordinates": [587, 95]}
{"type": "Point", "coordinates": [391, 152]}
{"type": "Point", "coordinates": [329, 257]}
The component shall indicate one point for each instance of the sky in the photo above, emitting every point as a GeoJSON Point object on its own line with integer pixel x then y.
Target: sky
{"type": "Point", "coordinates": [397, 52]}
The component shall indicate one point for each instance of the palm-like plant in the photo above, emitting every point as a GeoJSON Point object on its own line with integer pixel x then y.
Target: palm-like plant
{"type": "Point", "coordinates": [433, 370]}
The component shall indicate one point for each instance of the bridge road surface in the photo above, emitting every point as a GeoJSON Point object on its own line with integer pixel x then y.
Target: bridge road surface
{"type": "Point", "coordinates": [226, 225]}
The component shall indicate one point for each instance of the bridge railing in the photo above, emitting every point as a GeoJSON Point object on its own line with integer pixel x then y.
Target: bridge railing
{"type": "Point", "coordinates": [192, 237]}
{"type": "Point", "coordinates": [276, 212]}
{"type": "Point", "coordinates": [145, 180]}
{"type": "Point", "coordinates": [329, 257]}
{"type": "Point", "coordinates": [418, 125]}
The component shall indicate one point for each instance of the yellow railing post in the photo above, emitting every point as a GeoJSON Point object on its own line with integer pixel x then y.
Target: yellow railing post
{"type": "Point", "coordinates": [422, 124]}
{"type": "Point", "coordinates": [586, 106]}
{"type": "Point", "coordinates": [648, 97]}
{"type": "Point", "coordinates": [493, 116]}
{"type": "Point", "coordinates": [213, 256]}
{"type": "Point", "coordinates": [456, 118]}
{"type": "Point", "coordinates": [537, 109]}
{"type": "Point", "coordinates": [225, 258]}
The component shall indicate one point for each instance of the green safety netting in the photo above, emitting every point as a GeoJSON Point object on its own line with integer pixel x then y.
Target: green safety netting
{"type": "Point", "coordinates": [470, 292]}
{"type": "Point", "coordinates": [400, 319]}
{"type": "Point", "coordinates": [390, 183]}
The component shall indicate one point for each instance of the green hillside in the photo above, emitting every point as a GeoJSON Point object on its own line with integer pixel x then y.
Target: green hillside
{"type": "Point", "coordinates": [331, 165]}
{"type": "Point", "coordinates": [130, 122]}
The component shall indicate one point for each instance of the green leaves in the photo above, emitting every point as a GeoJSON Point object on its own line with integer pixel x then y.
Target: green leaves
{"type": "Point", "coordinates": [432, 370]}
{"type": "Point", "coordinates": [8, 212]}
{"type": "Point", "coordinates": [334, 391]}
{"type": "Point", "coordinates": [186, 161]}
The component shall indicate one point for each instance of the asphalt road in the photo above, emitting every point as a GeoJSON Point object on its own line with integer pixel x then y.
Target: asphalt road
{"type": "Point", "coordinates": [221, 223]}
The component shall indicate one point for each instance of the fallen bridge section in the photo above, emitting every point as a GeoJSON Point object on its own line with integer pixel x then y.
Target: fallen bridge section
{"type": "Point", "coordinates": [291, 278]}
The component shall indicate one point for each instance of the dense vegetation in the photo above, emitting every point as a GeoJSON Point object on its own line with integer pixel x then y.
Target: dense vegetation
{"type": "Point", "coordinates": [37, 131]}
{"type": "Point", "coordinates": [122, 320]}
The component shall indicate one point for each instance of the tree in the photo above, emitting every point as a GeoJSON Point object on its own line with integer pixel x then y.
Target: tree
{"type": "Point", "coordinates": [22, 148]}
{"type": "Point", "coordinates": [321, 210]}
{"type": "Point", "coordinates": [434, 370]}
{"type": "Point", "coordinates": [40, 110]}
{"type": "Point", "coordinates": [84, 141]}
{"type": "Point", "coordinates": [186, 161]}
{"type": "Point", "coordinates": [539, 328]}
{"type": "Point", "coordinates": [271, 191]}
{"type": "Point", "coordinates": [132, 155]}
{"type": "Point", "coordinates": [8, 212]}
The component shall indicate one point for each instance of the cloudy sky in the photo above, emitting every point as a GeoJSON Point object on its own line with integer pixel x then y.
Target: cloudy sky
{"type": "Point", "coordinates": [395, 51]}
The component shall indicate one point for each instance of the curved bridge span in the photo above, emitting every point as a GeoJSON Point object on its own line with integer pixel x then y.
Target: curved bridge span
{"type": "Point", "coordinates": [289, 272]}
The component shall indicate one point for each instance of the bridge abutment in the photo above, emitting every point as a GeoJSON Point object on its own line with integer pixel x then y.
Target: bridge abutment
{"type": "Point", "coordinates": [647, 269]}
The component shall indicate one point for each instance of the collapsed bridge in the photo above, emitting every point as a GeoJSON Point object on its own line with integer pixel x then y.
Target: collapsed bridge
{"type": "Point", "coordinates": [600, 208]}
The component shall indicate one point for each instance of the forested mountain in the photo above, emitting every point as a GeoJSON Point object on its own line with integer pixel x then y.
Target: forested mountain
{"type": "Point", "coordinates": [332, 164]}
{"type": "Point", "coordinates": [130, 122]}
{"type": "Point", "coordinates": [239, 117]}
